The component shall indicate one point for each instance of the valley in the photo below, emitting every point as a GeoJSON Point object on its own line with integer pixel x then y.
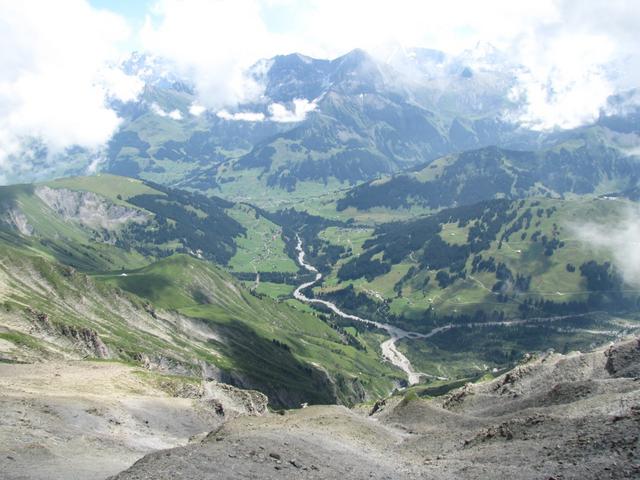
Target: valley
{"type": "Point", "coordinates": [392, 263]}
{"type": "Point", "coordinates": [388, 347]}
{"type": "Point", "coordinates": [487, 269]}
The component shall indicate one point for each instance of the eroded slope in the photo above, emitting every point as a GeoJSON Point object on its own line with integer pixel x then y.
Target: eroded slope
{"type": "Point", "coordinates": [555, 416]}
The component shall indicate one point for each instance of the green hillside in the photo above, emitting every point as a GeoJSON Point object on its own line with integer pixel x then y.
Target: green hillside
{"type": "Point", "coordinates": [92, 266]}
{"type": "Point", "coordinates": [448, 262]}
{"type": "Point", "coordinates": [108, 222]}
{"type": "Point", "coordinates": [180, 314]}
{"type": "Point", "coordinates": [493, 261]}
{"type": "Point", "coordinates": [589, 162]}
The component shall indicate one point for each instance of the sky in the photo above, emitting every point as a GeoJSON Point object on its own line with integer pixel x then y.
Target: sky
{"type": "Point", "coordinates": [60, 72]}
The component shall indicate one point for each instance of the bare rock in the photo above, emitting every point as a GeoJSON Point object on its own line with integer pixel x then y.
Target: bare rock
{"type": "Point", "coordinates": [623, 360]}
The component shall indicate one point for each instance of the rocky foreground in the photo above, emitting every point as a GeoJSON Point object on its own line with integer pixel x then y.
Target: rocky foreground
{"type": "Point", "coordinates": [83, 420]}
{"type": "Point", "coordinates": [573, 416]}
{"type": "Point", "coordinates": [564, 417]}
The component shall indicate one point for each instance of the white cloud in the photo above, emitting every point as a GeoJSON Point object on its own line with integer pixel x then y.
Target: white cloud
{"type": "Point", "coordinates": [632, 152]}
{"type": "Point", "coordinates": [301, 106]}
{"type": "Point", "coordinates": [213, 43]}
{"type": "Point", "coordinates": [277, 113]}
{"type": "Point", "coordinates": [94, 165]}
{"type": "Point", "coordinates": [327, 28]}
{"type": "Point", "coordinates": [575, 60]}
{"type": "Point", "coordinates": [241, 116]}
{"type": "Point", "coordinates": [125, 88]}
{"type": "Point", "coordinates": [567, 86]}
{"type": "Point", "coordinates": [574, 54]}
{"type": "Point", "coordinates": [196, 110]}
{"type": "Point", "coordinates": [173, 114]}
{"type": "Point", "coordinates": [57, 77]}
{"type": "Point", "coordinates": [621, 241]}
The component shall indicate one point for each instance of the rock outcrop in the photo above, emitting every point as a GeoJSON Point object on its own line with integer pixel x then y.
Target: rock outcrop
{"type": "Point", "coordinates": [573, 416]}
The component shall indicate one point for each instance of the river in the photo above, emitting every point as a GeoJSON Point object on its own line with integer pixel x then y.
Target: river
{"type": "Point", "coordinates": [389, 349]}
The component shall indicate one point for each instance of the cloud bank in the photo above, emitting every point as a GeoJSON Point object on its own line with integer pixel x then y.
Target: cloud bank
{"type": "Point", "coordinates": [301, 106]}
{"type": "Point", "coordinates": [213, 43]}
{"type": "Point", "coordinates": [574, 59]}
{"type": "Point", "coordinates": [173, 114]}
{"type": "Point", "coordinates": [277, 113]}
{"type": "Point", "coordinates": [621, 241]}
{"type": "Point", "coordinates": [241, 116]}
{"type": "Point", "coordinates": [57, 77]}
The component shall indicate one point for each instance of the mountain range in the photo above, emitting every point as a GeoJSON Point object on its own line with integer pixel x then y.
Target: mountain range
{"type": "Point", "coordinates": [356, 117]}
{"type": "Point", "coordinates": [377, 232]}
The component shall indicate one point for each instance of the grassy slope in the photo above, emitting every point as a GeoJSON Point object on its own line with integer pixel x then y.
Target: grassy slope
{"type": "Point", "coordinates": [246, 324]}
{"type": "Point", "coordinates": [66, 241]}
{"type": "Point", "coordinates": [464, 352]}
{"type": "Point", "coordinates": [106, 185]}
{"type": "Point", "coordinates": [182, 311]}
{"type": "Point", "coordinates": [250, 186]}
{"type": "Point", "coordinates": [94, 248]}
{"type": "Point", "coordinates": [250, 323]}
{"type": "Point", "coordinates": [588, 138]}
{"type": "Point", "coordinates": [262, 249]}
{"type": "Point", "coordinates": [550, 278]}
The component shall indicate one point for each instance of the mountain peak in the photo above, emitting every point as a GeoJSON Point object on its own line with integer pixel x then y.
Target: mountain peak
{"type": "Point", "coordinates": [354, 58]}
{"type": "Point", "coordinates": [295, 58]}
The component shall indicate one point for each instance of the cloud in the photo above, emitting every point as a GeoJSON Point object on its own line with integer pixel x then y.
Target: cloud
{"type": "Point", "coordinates": [196, 110]}
{"type": "Point", "coordinates": [173, 114]}
{"type": "Point", "coordinates": [125, 88]}
{"type": "Point", "coordinates": [567, 86]}
{"type": "Point", "coordinates": [573, 55]}
{"type": "Point", "coordinates": [621, 241]}
{"type": "Point", "coordinates": [574, 60]}
{"type": "Point", "coordinates": [301, 106]}
{"type": "Point", "coordinates": [277, 113]}
{"type": "Point", "coordinates": [213, 43]}
{"type": "Point", "coordinates": [57, 78]}
{"type": "Point", "coordinates": [632, 152]}
{"type": "Point", "coordinates": [94, 165]}
{"type": "Point", "coordinates": [241, 116]}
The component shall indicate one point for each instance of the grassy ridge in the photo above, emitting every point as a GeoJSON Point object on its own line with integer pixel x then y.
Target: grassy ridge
{"type": "Point", "coordinates": [176, 310]}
